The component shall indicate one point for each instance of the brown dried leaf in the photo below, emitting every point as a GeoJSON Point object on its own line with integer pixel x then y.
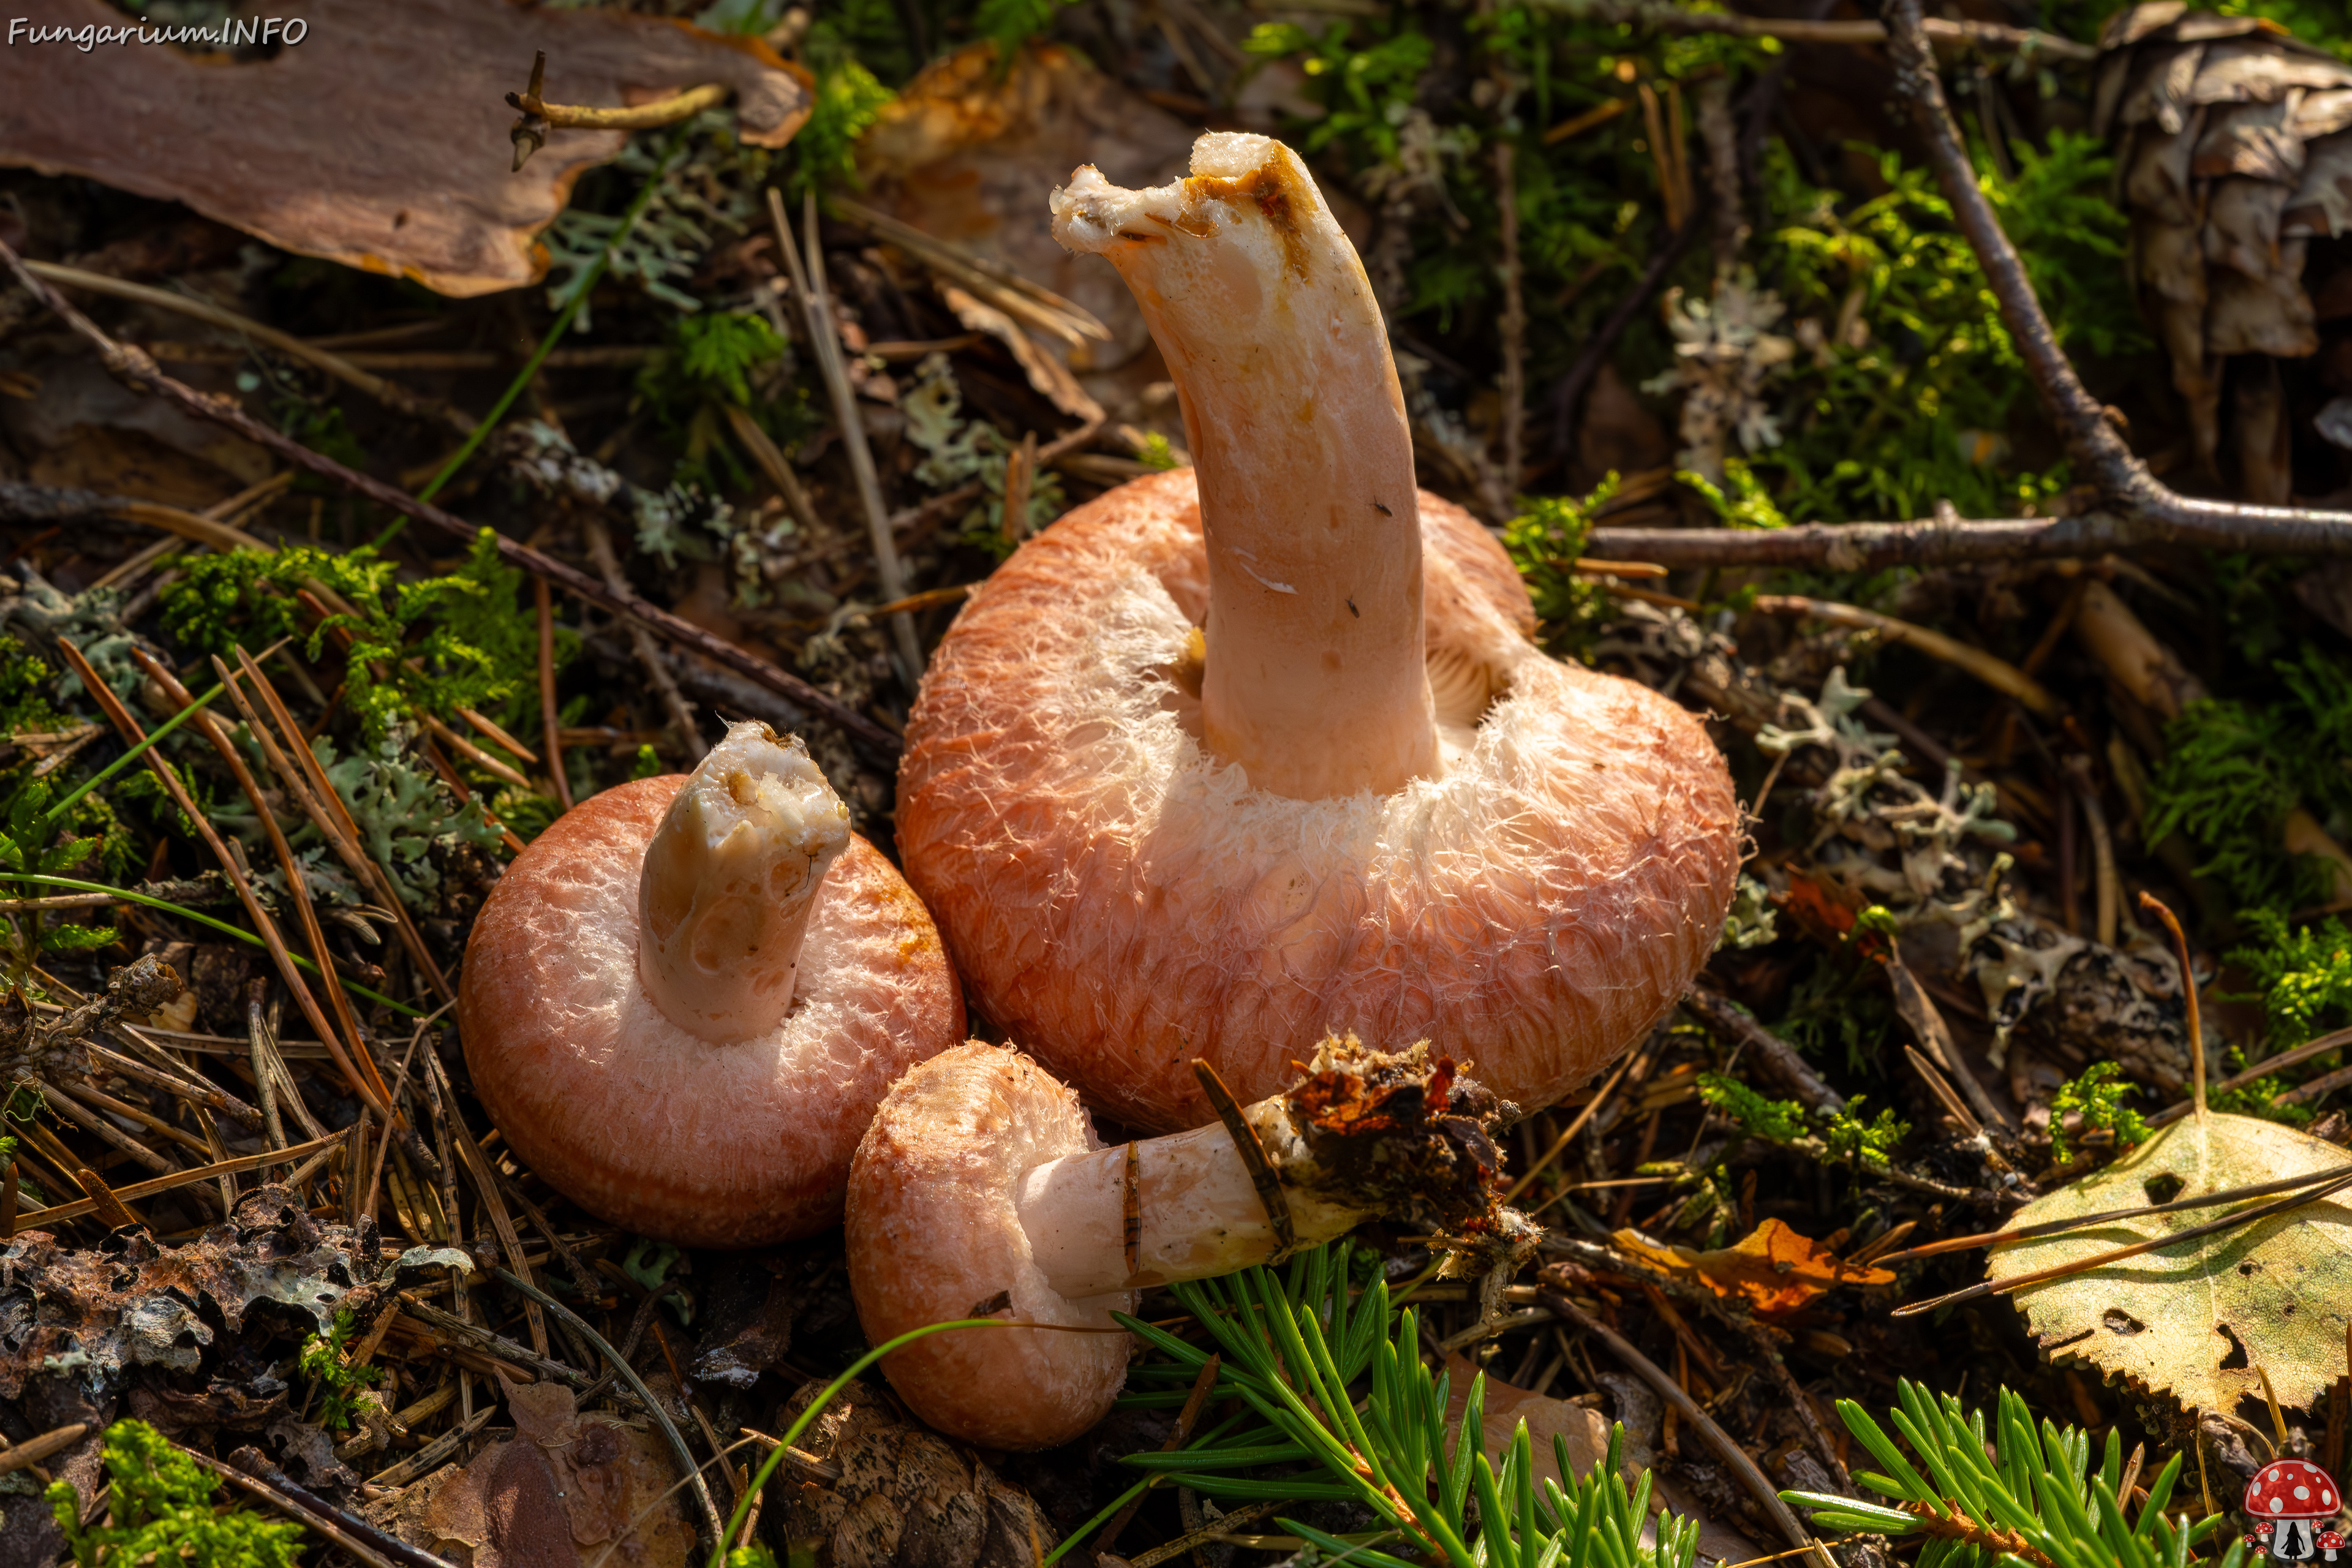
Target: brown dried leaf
{"type": "Point", "coordinates": [380, 141]}
{"type": "Point", "coordinates": [1586, 1435]}
{"type": "Point", "coordinates": [1774, 1269]}
{"type": "Point", "coordinates": [2126, 29]}
{"type": "Point", "coordinates": [2321, 114]}
{"type": "Point", "coordinates": [1049, 376]}
{"type": "Point", "coordinates": [566, 1482]}
{"type": "Point", "coordinates": [2241, 227]}
{"type": "Point", "coordinates": [2196, 1319]}
{"type": "Point", "coordinates": [965, 150]}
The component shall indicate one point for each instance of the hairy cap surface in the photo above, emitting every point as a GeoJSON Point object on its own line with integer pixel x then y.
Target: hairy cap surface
{"type": "Point", "coordinates": [647, 1125]}
{"type": "Point", "coordinates": [1120, 901]}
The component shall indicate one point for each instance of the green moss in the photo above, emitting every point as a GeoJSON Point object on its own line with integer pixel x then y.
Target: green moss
{"type": "Point", "coordinates": [1846, 1138]}
{"type": "Point", "coordinates": [2098, 1095]}
{"type": "Point", "coordinates": [1544, 543]}
{"type": "Point", "coordinates": [2302, 975]}
{"type": "Point", "coordinates": [335, 1384]}
{"type": "Point", "coordinates": [468, 641]}
{"type": "Point", "coordinates": [161, 1511]}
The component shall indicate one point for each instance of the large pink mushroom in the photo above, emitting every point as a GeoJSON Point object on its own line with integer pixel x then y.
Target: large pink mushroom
{"type": "Point", "coordinates": [683, 1001]}
{"type": "Point", "coordinates": [1232, 757]}
{"type": "Point", "coordinates": [980, 1187]}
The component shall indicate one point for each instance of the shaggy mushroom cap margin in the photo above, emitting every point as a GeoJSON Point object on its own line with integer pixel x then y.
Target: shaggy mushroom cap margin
{"type": "Point", "coordinates": [1089, 826]}
{"type": "Point", "coordinates": [683, 1001]}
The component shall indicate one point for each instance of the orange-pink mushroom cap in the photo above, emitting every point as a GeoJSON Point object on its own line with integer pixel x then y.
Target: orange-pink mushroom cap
{"type": "Point", "coordinates": [935, 1233]}
{"type": "Point", "coordinates": [733, 1123]}
{"type": "Point", "coordinates": [1394, 816]}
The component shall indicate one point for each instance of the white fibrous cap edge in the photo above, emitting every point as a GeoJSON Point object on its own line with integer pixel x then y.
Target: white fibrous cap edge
{"type": "Point", "coordinates": [1089, 211]}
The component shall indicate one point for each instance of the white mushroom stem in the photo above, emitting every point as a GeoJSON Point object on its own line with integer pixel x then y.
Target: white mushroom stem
{"type": "Point", "coordinates": [1196, 1212]}
{"type": "Point", "coordinates": [1313, 681]}
{"type": "Point", "coordinates": [730, 881]}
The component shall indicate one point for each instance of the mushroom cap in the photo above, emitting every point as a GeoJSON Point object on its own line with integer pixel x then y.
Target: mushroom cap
{"type": "Point", "coordinates": [2292, 1489]}
{"type": "Point", "coordinates": [646, 1126]}
{"type": "Point", "coordinates": [1120, 901]}
{"type": "Point", "coordinates": [934, 1234]}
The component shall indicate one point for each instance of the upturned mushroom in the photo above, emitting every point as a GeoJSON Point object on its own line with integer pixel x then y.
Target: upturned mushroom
{"type": "Point", "coordinates": [980, 1187]}
{"type": "Point", "coordinates": [1235, 756]}
{"type": "Point", "coordinates": [683, 1001]}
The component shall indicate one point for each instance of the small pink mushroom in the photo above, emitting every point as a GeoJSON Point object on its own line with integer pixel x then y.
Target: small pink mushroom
{"type": "Point", "coordinates": [1235, 756]}
{"type": "Point", "coordinates": [981, 1186]}
{"type": "Point", "coordinates": [684, 1000]}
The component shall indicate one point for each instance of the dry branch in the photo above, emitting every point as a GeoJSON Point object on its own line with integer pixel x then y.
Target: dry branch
{"type": "Point", "coordinates": [2140, 510]}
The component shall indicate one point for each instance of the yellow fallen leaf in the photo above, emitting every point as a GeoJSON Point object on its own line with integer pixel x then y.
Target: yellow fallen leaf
{"type": "Point", "coordinates": [1774, 1269]}
{"type": "Point", "coordinates": [2195, 1318]}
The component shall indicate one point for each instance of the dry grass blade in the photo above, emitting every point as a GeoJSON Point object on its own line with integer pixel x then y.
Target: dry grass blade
{"type": "Point", "coordinates": [542, 601]}
{"type": "Point", "coordinates": [2084, 1222]}
{"type": "Point", "coordinates": [390, 394]}
{"type": "Point", "coordinates": [131, 732]}
{"type": "Point", "coordinates": [236, 1165]}
{"type": "Point", "coordinates": [306, 783]}
{"type": "Point", "coordinates": [320, 791]}
{"type": "Point", "coordinates": [1723, 1445]}
{"type": "Point", "coordinates": [1000, 286]}
{"type": "Point", "coordinates": [371, 1085]}
{"type": "Point", "coordinates": [488, 1187]}
{"type": "Point", "coordinates": [1998, 674]}
{"type": "Point", "coordinates": [825, 339]}
{"type": "Point", "coordinates": [2117, 1255]}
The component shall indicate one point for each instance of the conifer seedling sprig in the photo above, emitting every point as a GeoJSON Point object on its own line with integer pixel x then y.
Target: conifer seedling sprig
{"type": "Point", "coordinates": [2035, 1501]}
{"type": "Point", "coordinates": [1339, 1380]}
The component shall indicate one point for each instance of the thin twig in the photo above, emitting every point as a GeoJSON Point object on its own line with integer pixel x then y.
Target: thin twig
{"type": "Point", "coordinates": [1724, 1447]}
{"type": "Point", "coordinates": [136, 369]}
{"type": "Point", "coordinates": [250, 1469]}
{"type": "Point", "coordinates": [2138, 512]}
{"type": "Point", "coordinates": [1998, 673]}
{"type": "Point", "coordinates": [1567, 396]}
{"type": "Point", "coordinates": [1733, 1026]}
{"type": "Point", "coordinates": [1652, 16]}
{"type": "Point", "coordinates": [2117, 1255]}
{"type": "Point", "coordinates": [554, 742]}
{"type": "Point", "coordinates": [825, 341]}
{"type": "Point", "coordinates": [641, 642]}
{"type": "Point", "coordinates": [1514, 325]}
{"type": "Point", "coordinates": [2109, 1216]}
{"type": "Point", "coordinates": [390, 394]}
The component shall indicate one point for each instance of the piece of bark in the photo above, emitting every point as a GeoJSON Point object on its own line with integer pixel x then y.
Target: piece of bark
{"type": "Point", "coordinates": [380, 140]}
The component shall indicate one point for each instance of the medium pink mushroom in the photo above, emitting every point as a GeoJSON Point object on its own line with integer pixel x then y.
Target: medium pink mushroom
{"type": "Point", "coordinates": [1232, 757]}
{"type": "Point", "coordinates": [683, 1001]}
{"type": "Point", "coordinates": [980, 1187]}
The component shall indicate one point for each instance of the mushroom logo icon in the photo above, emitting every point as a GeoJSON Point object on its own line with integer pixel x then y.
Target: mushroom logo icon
{"type": "Point", "coordinates": [2290, 1500]}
